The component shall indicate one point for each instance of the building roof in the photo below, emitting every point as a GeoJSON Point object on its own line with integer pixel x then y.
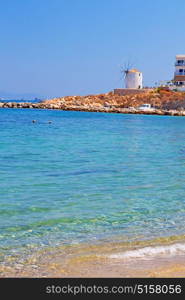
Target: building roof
{"type": "Point", "coordinates": [180, 55]}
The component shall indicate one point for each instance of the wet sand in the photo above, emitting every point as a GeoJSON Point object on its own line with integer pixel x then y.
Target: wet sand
{"type": "Point", "coordinates": [92, 261]}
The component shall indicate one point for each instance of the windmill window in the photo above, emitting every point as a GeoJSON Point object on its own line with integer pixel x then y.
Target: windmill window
{"type": "Point", "coordinates": [180, 70]}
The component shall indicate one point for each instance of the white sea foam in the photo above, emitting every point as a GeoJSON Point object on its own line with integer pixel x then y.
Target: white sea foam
{"type": "Point", "coordinates": [148, 252]}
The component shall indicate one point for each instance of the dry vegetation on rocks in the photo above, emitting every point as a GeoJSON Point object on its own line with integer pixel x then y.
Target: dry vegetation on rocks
{"type": "Point", "coordinates": [159, 99]}
{"type": "Point", "coordinates": [164, 103]}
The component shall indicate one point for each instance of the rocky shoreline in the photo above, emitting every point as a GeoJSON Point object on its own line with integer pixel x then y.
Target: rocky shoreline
{"type": "Point", "coordinates": [162, 102]}
{"type": "Point", "coordinates": [171, 112]}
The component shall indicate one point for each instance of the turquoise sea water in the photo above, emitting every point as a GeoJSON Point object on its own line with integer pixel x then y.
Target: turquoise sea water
{"type": "Point", "coordinates": [89, 177]}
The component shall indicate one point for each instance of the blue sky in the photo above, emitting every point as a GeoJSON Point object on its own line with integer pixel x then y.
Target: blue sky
{"type": "Point", "coordinates": [76, 47]}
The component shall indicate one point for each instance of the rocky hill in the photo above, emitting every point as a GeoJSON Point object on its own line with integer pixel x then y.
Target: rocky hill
{"type": "Point", "coordinates": [160, 99]}
{"type": "Point", "coordinates": [163, 101]}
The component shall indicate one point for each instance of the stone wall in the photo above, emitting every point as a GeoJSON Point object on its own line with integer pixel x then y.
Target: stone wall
{"type": "Point", "coordinates": [123, 92]}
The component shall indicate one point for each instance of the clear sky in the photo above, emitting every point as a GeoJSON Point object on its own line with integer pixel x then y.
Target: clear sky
{"type": "Point", "coordinates": [75, 47]}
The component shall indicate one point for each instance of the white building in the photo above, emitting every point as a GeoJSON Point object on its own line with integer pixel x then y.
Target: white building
{"type": "Point", "coordinates": [179, 75]}
{"type": "Point", "coordinates": [133, 79]}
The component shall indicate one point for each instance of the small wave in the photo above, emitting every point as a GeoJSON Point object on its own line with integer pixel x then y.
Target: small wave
{"type": "Point", "coordinates": [151, 251]}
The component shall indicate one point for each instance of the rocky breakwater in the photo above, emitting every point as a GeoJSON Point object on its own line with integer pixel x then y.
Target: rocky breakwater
{"type": "Point", "coordinates": [162, 102]}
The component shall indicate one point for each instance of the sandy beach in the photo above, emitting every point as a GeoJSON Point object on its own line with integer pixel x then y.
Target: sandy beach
{"type": "Point", "coordinates": [103, 260]}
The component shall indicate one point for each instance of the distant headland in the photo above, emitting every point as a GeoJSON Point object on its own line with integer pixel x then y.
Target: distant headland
{"type": "Point", "coordinates": [162, 101]}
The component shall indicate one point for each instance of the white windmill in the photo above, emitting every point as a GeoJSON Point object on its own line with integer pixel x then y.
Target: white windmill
{"type": "Point", "coordinates": [132, 77]}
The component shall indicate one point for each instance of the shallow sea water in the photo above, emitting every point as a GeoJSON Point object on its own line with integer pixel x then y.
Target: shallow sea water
{"type": "Point", "coordinates": [89, 178]}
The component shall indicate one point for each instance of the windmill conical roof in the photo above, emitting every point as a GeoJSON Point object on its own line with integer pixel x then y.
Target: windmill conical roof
{"type": "Point", "coordinates": [134, 71]}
